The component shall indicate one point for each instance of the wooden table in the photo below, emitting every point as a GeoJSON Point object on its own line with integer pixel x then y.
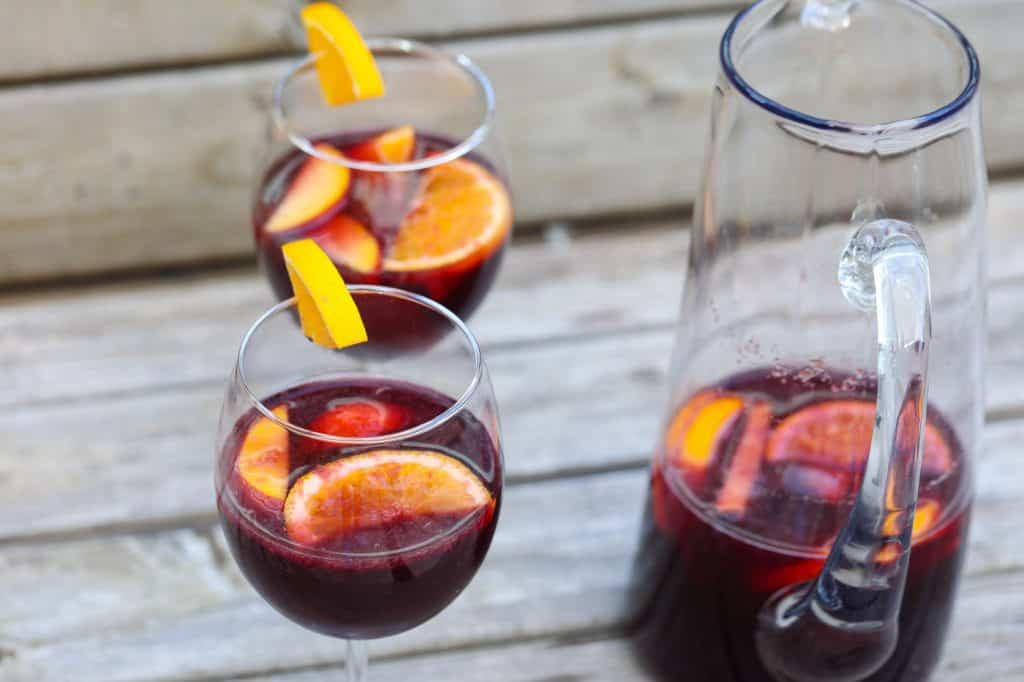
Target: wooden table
{"type": "Point", "coordinates": [112, 568]}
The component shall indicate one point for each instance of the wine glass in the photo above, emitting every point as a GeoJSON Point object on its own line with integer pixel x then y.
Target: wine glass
{"type": "Point", "coordinates": [359, 489]}
{"type": "Point", "coordinates": [405, 190]}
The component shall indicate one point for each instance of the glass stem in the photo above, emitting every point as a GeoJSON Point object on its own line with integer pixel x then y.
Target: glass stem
{"type": "Point", "coordinates": [356, 661]}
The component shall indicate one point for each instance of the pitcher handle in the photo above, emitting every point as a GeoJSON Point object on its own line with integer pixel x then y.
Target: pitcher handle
{"type": "Point", "coordinates": [844, 626]}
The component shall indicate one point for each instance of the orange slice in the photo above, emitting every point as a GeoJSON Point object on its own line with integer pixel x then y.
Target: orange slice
{"type": "Point", "coordinates": [317, 187]}
{"type": "Point", "coordinates": [925, 516]}
{"type": "Point", "coordinates": [698, 428]}
{"type": "Point", "coordinates": [461, 215]}
{"type": "Point", "coordinates": [380, 489]}
{"type": "Point", "coordinates": [263, 459]}
{"type": "Point", "coordinates": [837, 434]}
{"type": "Point", "coordinates": [327, 312]}
{"type": "Point", "coordinates": [394, 146]}
{"type": "Point", "coordinates": [349, 243]}
{"type": "Point", "coordinates": [344, 65]}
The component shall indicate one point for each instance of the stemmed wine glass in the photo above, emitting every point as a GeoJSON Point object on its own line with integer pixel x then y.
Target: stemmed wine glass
{"type": "Point", "coordinates": [359, 489]}
{"type": "Point", "coordinates": [405, 190]}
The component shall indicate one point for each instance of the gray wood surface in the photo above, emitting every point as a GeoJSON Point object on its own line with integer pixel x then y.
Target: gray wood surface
{"type": "Point", "coordinates": [116, 572]}
{"type": "Point", "coordinates": [610, 118]}
{"type": "Point", "coordinates": [170, 605]}
{"type": "Point", "coordinates": [596, 311]}
{"type": "Point", "coordinates": [51, 38]}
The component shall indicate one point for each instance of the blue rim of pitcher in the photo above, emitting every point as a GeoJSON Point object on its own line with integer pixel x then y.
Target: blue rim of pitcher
{"type": "Point", "coordinates": [916, 123]}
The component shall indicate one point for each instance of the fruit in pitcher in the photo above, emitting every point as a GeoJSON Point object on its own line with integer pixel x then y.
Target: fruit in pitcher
{"type": "Point", "coordinates": [745, 468]}
{"type": "Point", "coordinates": [699, 429]}
{"type": "Point", "coordinates": [836, 434]}
{"type": "Point", "coordinates": [318, 186]}
{"type": "Point", "coordinates": [401, 492]}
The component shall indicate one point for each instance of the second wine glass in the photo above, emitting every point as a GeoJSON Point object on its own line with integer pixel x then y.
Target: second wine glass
{"type": "Point", "coordinates": [406, 190]}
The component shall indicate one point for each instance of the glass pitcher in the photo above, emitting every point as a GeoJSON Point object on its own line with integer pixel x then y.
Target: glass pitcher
{"type": "Point", "coordinates": [810, 496]}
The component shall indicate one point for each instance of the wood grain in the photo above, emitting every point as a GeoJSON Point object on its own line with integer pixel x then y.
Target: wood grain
{"type": "Point", "coordinates": [581, 529]}
{"type": "Point", "coordinates": [114, 338]}
{"type": "Point", "coordinates": [107, 35]}
{"type": "Point", "coordinates": [156, 169]}
{"type": "Point", "coordinates": [612, 660]}
{"type": "Point", "coordinates": [126, 387]}
{"type": "Point", "coordinates": [102, 339]}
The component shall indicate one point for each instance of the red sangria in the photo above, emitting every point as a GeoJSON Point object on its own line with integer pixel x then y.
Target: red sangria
{"type": "Point", "coordinates": [439, 230]}
{"type": "Point", "coordinates": [754, 480]}
{"type": "Point", "coordinates": [358, 542]}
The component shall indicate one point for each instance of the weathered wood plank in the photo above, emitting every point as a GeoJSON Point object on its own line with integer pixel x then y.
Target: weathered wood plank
{"type": "Point", "coordinates": [546, 290]}
{"type": "Point", "coordinates": [85, 37]}
{"type": "Point", "coordinates": [610, 298]}
{"type": "Point", "coordinates": [582, 529]}
{"type": "Point", "coordinates": [606, 119]}
{"type": "Point", "coordinates": [147, 457]}
{"type": "Point", "coordinates": [628, 276]}
{"type": "Point", "coordinates": [972, 656]}
{"type": "Point", "coordinates": [104, 35]}
{"type": "Point", "coordinates": [513, 597]}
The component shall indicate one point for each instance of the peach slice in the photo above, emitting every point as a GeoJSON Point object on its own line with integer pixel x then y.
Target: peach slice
{"type": "Point", "coordinates": [361, 418]}
{"type": "Point", "coordinates": [836, 434]}
{"type": "Point", "coordinates": [745, 467]}
{"type": "Point", "coordinates": [394, 146]}
{"type": "Point", "coordinates": [318, 186]}
{"type": "Point", "coordinates": [263, 458]}
{"type": "Point", "coordinates": [378, 490]}
{"type": "Point", "coordinates": [699, 428]}
{"type": "Point", "coordinates": [349, 243]}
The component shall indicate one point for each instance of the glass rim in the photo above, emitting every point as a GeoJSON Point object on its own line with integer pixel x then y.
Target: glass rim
{"type": "Point", "coordinates": [919, 122]}
{"type": "Point", "coordinates": [406, 47]}
{"type": "Point", "coordinates": [453, 410]}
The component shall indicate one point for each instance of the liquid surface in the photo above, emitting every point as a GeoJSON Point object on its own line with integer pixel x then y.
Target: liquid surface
{"type": "Point", "coordinates": [344, 540]}
{"type": "Point", "coordinates": [755, 478]}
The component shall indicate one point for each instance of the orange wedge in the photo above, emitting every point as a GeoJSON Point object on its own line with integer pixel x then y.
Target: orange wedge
{"type": "Point", "coordinates": [317, 186]}
{"type": "Point", "coordinates": [461, 215]}
{"type": "Point", "coordinates": [394, 146]}
{"type": "Point", "coordinates": [344, 63]}
{"type": "Point", "coordinates": [381, 489]}
{"type": "Point", "coordinates": [263, 459]}
{"type": "Point", "coordinates": [327, 312]}
{"type": "Point", "coordinates": [699, 427]}
{"type": "Point", "coordinates": [925, 516]}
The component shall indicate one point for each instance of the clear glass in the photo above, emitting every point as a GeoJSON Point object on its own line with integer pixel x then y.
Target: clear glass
{"type": "Point", "coordinates": [830, 119]}
{"type": "Point", "coordinates": [383, 220]}
{"type": "Point", "coordinates": [338, 552]}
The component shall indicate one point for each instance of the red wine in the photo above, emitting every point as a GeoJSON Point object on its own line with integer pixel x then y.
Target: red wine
{"type": "Point", "coordinates": [325, 535]}
{"type": "Point", "coordinates": [754, 480]}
